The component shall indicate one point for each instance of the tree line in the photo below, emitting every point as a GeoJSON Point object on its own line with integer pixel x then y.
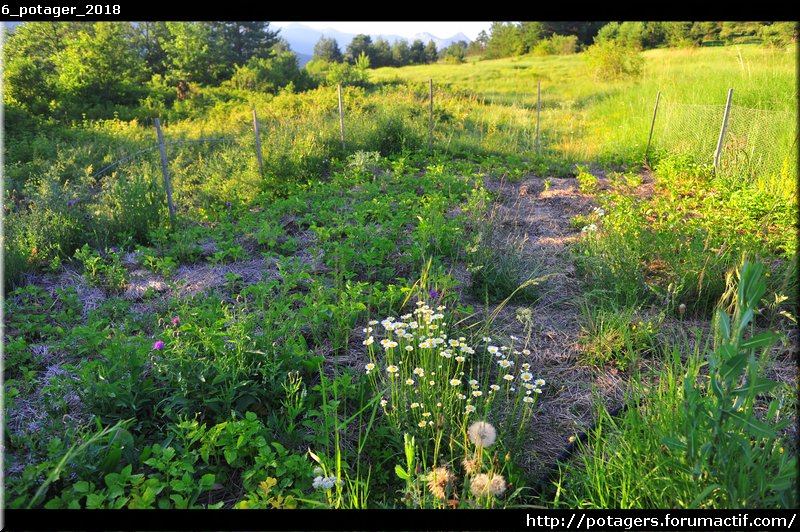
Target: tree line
{"type": "Point", "coordinates": [380, 53]}
{"type": "Point", "coordinates": [517, 38]}
{"type": "Point", "coordinates": [70, 69]}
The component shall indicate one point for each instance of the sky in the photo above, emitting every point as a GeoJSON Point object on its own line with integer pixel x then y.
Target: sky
{"type": "Point", "coordinates": [441, 30]}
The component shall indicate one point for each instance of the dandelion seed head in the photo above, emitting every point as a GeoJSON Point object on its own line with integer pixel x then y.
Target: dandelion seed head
{"type": "Point", "coordinates": [470, 465]}
{"type": "Point", "coordinates": [497, 486]}
{"type": "Point", "coordinates": [482, 434]}
{"type": "Point", "coordinates": [439, 480]}
{"type": "Point", "coordinates": [479, 485]}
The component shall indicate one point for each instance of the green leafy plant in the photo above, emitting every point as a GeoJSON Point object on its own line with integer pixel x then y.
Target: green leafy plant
{"type": "Point", "coordinates": [720, 421]}
{"type": "Point", "coordinates": [103, 269]}
{"type": "Point", "coordinates": [587, 182]}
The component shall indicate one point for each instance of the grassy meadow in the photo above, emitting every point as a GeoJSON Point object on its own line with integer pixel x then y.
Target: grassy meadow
{"type": "Point", "coordinates": [324, 333]}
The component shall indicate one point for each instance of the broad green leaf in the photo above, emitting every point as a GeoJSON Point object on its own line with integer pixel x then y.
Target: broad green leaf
{"type": "Point", "coordinates": [401, 472]}
{"type": "Point", "coordinates": [758, 341]}
{"type": "Point", "coordinates": [753, 426]}
{"type": "Point", "coordinates": [760, 385]}
{"type": "Point", "coordinates": [230, 455]}
{"type": "Point", "coordinates": [733, 367]}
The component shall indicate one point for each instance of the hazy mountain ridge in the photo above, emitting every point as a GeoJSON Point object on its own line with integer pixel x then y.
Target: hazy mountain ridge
{"type": "Point", "coordinates": [303, 38]}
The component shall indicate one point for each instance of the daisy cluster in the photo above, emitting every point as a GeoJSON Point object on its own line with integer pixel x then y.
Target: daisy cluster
{"type": "Point", "coordinates": [426, 375]}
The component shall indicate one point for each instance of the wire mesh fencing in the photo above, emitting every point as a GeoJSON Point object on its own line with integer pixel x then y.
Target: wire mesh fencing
{"type": "Point", "coordinates": [759, 146]}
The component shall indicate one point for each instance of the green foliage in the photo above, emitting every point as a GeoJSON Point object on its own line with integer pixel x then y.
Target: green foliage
{"type": "Point", "coordinates": [98, 66]}
{"type": "Point", "coordinates": [556, 45]}
{"type": "Point", "coordinates": [346, 74]}
{"type": "Point", "coordinates": [220, 379]}
{"type": "Point", "coordinates": [716, 432]}
{"type": "Point", "coordinates": [617, 336]}
{"type": "Point", "coordinates": [614, 60]}
{"type": "Point", "coordinates": [587, 182]}
{"type": "Point", "coordinates": [327, 50]}
{"type": "Point", "coordinates": [779, 34]}
{"type": "Point", "coordinates": [270, 74]}
{"type": "Point", "coordinates": [103, 269]}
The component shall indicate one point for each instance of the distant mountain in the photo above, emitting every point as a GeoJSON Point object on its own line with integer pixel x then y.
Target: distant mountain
{"type": "Point", "coordinates": [302, 59]}
{"type": "Point", "coordinates": [441, 43]}
{"type": "Point", "coordinates": [303, 38]}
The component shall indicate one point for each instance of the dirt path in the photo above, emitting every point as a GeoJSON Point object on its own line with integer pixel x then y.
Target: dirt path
{"type": "Point", "coordinates": [541, 219]}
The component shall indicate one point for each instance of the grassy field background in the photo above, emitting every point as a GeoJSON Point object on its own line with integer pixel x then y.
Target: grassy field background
{"type": "Point", "coordinates": [584, 119]}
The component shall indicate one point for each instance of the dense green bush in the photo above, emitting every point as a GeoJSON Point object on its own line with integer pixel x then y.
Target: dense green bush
{"type": "Point", "coordinates": [614, 60]}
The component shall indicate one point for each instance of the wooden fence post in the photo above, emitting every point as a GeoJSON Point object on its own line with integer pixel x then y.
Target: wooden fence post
{"type": "Point", "coordinates": [538, 109]}
{"type": "Point", "coordinates": [341, 117]}
{"type": "Point", "coordinates": [722, 130]}
{"type": "Point", "coordinates": [430, 133]}
{"type": "Point", "coordinates": [652, 126]}
{"type": "Point", "coordinates": [258, 142]}
{"type": "Point", "coordinates": [163, 149]}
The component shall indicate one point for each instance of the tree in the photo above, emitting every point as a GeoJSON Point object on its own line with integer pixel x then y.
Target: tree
{"type": "Point", "coordinates": [278, 71]}
{"type": "Point", "coordinates": [731, 31]}
{"type": "Point", "coordinates": [585, 31]}
{"type": "Point", "coordinates": [779, 34]}
{"type": "Point", "coordinates": [188, 55]}
{"type": "Point", "coordinates": [327, 50]}
{"type": "Point", "coordinates": [679, 34]}
{"type": "Point", "coordinates": [234, 43]}
{"type": "Point", "coordinates": [401, 54]}
{"type": "Point", "coordinates": [431, 55]}
{"type": "Point", "coordinates": [239, 41]}
{"type": "Point", "coordinates": [417, 52]}
{"type": "Point", "coordinates": [456, 52]}
{"type": "Point", "coordinates": [504, 40]}
{"type": "Point", "coordinates": [99, 67]}
{"type": "Point", "coordinates": [382, 53]}
{"type": "Point", "coordinates": [31, 59]}
{"type": "Point", "coordinates": [530, 33]}
{"type": "Point", "coordinates": [148, 40]}
{"type": "Point", "coordinates": [478, 46]}
{"type": "Point", "coordinates": [360, 44]}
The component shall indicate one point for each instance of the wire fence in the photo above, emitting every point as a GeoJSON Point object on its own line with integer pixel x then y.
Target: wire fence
{"type": "Point", "coordinates": [758, 145]}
